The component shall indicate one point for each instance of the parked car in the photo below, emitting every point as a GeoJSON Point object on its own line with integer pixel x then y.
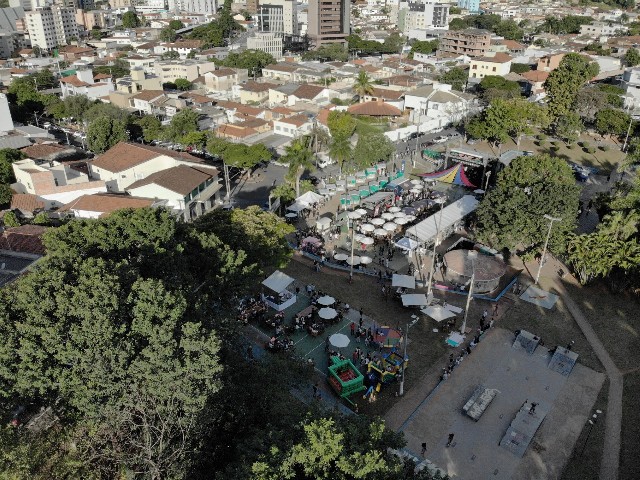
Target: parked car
{"type": "Point", "coordinates": [440, 139]}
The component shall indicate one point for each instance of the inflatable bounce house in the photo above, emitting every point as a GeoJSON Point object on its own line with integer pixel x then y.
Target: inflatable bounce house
{"type": "Point", "coordinates": [345, 378]}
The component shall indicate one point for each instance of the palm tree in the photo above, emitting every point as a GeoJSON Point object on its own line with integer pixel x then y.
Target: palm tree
{"type": "Point", "coordinates": [340, 149]}
{"type": "Point", "coordinates": [363, 86]}
{"type": "Point", "coordinates": [298, 156]}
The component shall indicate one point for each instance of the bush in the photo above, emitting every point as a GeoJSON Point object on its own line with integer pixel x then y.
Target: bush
{"type": "Point", "coordinates": [590, 150]}
{"type": "Point", "coordinates": [541, 137]}
{"type": "Point", "coordinates": [604, 148]}
{"type": "Point", "coordinates": [570, 146]}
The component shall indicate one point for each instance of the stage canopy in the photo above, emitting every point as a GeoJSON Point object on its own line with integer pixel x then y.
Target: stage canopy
{"type": "Point", "coordinates": [413, 299]}
{"type": "Point", "coordinates": [404, 281]}
{"type": "Point", "coordinates": [278, 281]}
{"type": "Point", "coordinates": [427, 230]}
{"type": "Point", "coordinates": [453, 175]}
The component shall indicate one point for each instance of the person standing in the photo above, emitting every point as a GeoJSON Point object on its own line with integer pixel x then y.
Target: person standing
{"type": "Point", "coordinates": [353, 329]}
{"type": "Point", "coordinates": [451, 435]}
{"type": "Point", "coordinates": [424, 448]}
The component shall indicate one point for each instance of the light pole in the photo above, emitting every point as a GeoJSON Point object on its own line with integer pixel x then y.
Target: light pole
{"type": "Point", "coordinates": [546, 244]}
{"type": "Point", "coordinates": [404, 357]}
{"type": "Point", "coordinates": [433, 253]}
{"type": "Point", "coordinates": [353, 216]}
{"type": "Point", "coordinates": [592, 421]}
{"type": "Point", "coordinates": [466, 310]}
{"type": "Point", "coordinates": [486, 183]}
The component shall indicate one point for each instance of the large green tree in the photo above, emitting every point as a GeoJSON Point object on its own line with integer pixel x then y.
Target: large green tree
{"type": "Point", "coordinates": [564, 83]}
{"type": "Point", "coordinates": [341, 124]}
{"type": "Point", "coordinates": [130, 20]}
{"type": "Point", "coordinates": [569, 127]}
{"type": "Point", "coordinates": [238, 154]}
{"type": "Point", "coordinates": [104, 132]}
{"type": "Point", "coordinates": [297, 156]}
{"type": "Point", "coordinates": [456, 77]}
{"type": "Point", "coordinates": [185, 121]}
{"type": "Point", "coordinates": [371, 149]}
{"type": "Point", "coordinates": [631, 57]}
{"type": "Point", "coordinates": [493, 86]}
{"type": "Point", "coordinates": [512, 214]}
{"type": "Point", "coordinates": [253, 60]}
{"type": "Point", "coordinates": [612, 121]}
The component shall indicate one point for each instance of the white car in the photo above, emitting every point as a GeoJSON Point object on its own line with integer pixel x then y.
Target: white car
{"type": "Point", "coordinates": [325, 161]}
{"type": "Point", "coordinates": [440, 139]}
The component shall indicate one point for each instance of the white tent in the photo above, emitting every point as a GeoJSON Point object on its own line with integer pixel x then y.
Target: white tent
{"type": "Point", "coordinates": [426, 230]}
{"type": "Point", "coordinates": [406, 244]}
{"type": "Point", "coordinates": [297, 207]}
{"type": "Point", "coordinates": [437, 312]}
{"type": "Point", "coordinates": [412, 299]}
{"type": "Point", "coordinates": [404, 281]}
{"type": "Point", "coordinates": [309, 198]}
{"type": "Point", "coordinates": [277, 281]}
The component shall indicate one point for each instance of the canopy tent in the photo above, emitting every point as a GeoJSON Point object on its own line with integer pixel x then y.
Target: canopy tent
{"type": "Point", "coordinates": [297, 207]}
{"type": "Point", "coordinates": [413, 299]}
{"type": "Point", "coordinates": [406, 243]}
{"type": "Point", "coordinates": [427, 230]}
{"type": "Point", "coordinates": [373, 200]}
{"type": "Point", "coordinates": [453, 175]}
{"type": "Point", "coordinates": [309, 198]}
{"type": "Point", "coordinates": [437, 312]}
{"type": "Point", "coordinates": [404, 281]}
{"type": "Point", "coordinates": [278, 281]}
{"type": "Point", "coordinates": [402, 183]}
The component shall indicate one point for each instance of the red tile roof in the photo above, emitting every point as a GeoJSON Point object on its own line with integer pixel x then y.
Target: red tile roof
{"type": "Point", "coordinates": [126, 155]}
{"type": "Point", "coordinates": [375, 109]}
{"type": "Point", "coordinates": [106, 203]}
{"type": "Point", "coordinates": [181, 179]}
{"type": "Point", "coordinates": [23, 239]}
{"type": "Point", "coordinates": [26, 202]}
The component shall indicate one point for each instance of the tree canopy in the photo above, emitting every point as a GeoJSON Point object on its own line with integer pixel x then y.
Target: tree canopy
{"type": "Point", "coordinates": [512, 214]}
{"type": "Point", "coordinates": [104, 132]}
{"type": "Point", "coordinates": [372, 148]}
{"type": "Point", "coordinates": [493, 86]}
{"type": "Point", "coordinates": [564, 83]}
{"type": "Point", "coordinates": [456, 77]}
{"type": "Point", "coordinates": [130, 20]}
{"type": "Point", "coordinates": [253, 60]}
{"type": "Point", "coordinates": [185, 121]}
{"type": "Point", "coordinates": [238, 154]}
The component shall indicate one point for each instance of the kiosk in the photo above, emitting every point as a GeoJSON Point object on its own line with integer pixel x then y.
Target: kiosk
{"type": "Point", "coordinates": [280, 298]}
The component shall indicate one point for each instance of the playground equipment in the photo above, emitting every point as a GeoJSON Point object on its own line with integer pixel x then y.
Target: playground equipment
{"type": "Point", "coordinates": [345, 378]}
{"type": "Point", "coordinates": [388, 369]}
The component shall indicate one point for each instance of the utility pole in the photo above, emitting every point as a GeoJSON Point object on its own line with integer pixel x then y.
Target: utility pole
{"type": "Point", "coordinates": [433, 254]}
{"type": "Point", "coordinates": [466, 310]}
{"type": "Point", "coordinates": [226, 181]}
{"type": "Point", "coordinates": [546, 244]}
{"type": "Point", "coordinates": [404, 357]}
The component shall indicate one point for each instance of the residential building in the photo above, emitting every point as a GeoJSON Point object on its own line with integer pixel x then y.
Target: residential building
{"type": "Point", "coordinates": [53, 183]}
{"type": "Point", "coordinates": [270, 43]}
{"type": "Point", "coordinates": [437, 106]}
{"type": "Point", "coordinates": [190, 191]}
{"type": "Point", "coordinates": [204, 7]}
{"type": "Point", "coordinates": [393, 97]}
{"type": "Point", "coordinates": [143, 101]}
{"type": "Point", "coordinates": [103, 204]}
{"type": "Point", "coordinates": [549, 63]}
{"type": "Point", "coordinates": [224, 79]}
{"type": "Point", "coordinates": [472, 5]}
{"type": "Point", "coordinates": [280, 71]}
{"type": "Point", "coordinates": [499, 65]}
{"type": "Point", "coordinates": [136, 81]}
{"type": "Point", "coordinates": [602, 29]}
{"type": "Point", "coordinates": [183, 47]}
{"type": "Point", "coordinates": [418, 15]}
{"type": "Point", "coordinates": [534, 82]}
{"type": "Point", "coordinates": [293, 127]}
{"type": "Point", "coordinates": [126, 163]}
{"type": "Point", "coordinates": [11, 40]}
{"type": "Point", "coordinates": [631, 83]}
{"type": "Point", "coordinates": [471, 42]}
{"type": "Point", "coordinates": [171, 70]}
{"type": "Point", "coordinates": [51, 27]}
{"type": "Point", "coordinates": [278, 17]}
{"type": "Point", "coordinates": [328, 21]}
{"type": "Point", "coordinates": [254, 92]}
{"type": "Point", "coordinates": [91, 18]}
{"type": "Point", "coordinates": [85, 83]}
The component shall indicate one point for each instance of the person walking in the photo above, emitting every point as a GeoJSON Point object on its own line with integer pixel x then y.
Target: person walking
{"type": "Point", "coordinates": [451, 435]}
{"type": "Point", "coordinates": [353, 329]}
{"type": "Point", "coordinates": [424, 448]}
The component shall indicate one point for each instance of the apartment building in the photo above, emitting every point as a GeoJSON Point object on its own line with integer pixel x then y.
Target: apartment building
{"type": "Point", "coordinates": [278, 17]}
{"type": "Point", "coordinates": [471, 5]}
{"type": "Point", "coordinates": [472, 42]}
{"type": "Point", "coordinates": [602, 29]}
{"type": "Point", "coordinates": [498, 65]}
{"type": "Point", "coordinates": [204, 7]}
{"type": "Point", "coordinates": [421, 16]}
{"type": "Point", "coordinates": [171, 70]}
{"type": "Point", "coordinates": [270, 43]}
{"type": "Point", "coordinates": [328, 21]}
{"type": "Point", "coordinates": [51, 27]}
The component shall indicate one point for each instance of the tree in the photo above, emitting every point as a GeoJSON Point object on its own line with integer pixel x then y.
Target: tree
{"type": "Point", "coordinates": [340, 149]}
{"type": "Point", "coordinates": [96, 34]}
{"type": "Point", "coordinates": [564, 83]}
{"type": "Point", "coordinates": [151, 128]}
{"type": "Point", "coordinates": [183, 84]}
{"type": "Point", "coordinates": [493, 86]}
{"type": "Point", "coordinates": [362, 85]}
{"type": "Point", "coordinates": [118, 69]}
{"type": "Point", "coordinates": [104, 132]}
{"type": "Point", "coordinates": [10, 220]}
{"type": "Point", "coordinates": [589, 101]}
{"type": "Point", "coordinates": [512, 214]}
{"type": "Point", "coordinates": [371, 149]}
{"type": "Point", "coordinates": [456, 77]}
{"type": "Point", "coordinates": [612, 121]}
{"type": "Point", "coordinates": [176, 25]}
{"type": "Point", "coordinates": [238, 154]}
{"type": "Point", "coordinates": [170, 55]}
{"type": "Point", "coordinates": [195, 139]}
{"type": "Point", "coordinates": [457, 24]}
{"type": "Point", "coordinates": [130, 20]}
{"type": "Point", "coordinates": [44, 79]}
{"type": "Point", "coordinates": [298, 156]}
{"type": "Point", "coordinates": [455, 10]}
{"type": "Point", "coordinates": [167, 34]}
{"type": "Point", "coordinates": [253, 60]}
{"type": "Point", "coordinates": [41, 218]}
{"type": "Point", "coordinates": [341, 124]}
{"type": "Point", "coordinates": [614, 94]}
{"type": "Point", "coordinates": [568, 127]}
{"type": "Point", "coordinates": [425, 47]}
{"type": "Point", "coordinates": [509, 30]}
{"type": "Point", "coordinates": [520, 67]}
{"type": "Point", "coordinates": [5, 194]}
{"type": "Point", "coordinates": [185, 121]}
{"type": "Point", "coordinates": [7, 157]}
{"type": "Point", "coordinates": [328, 52]}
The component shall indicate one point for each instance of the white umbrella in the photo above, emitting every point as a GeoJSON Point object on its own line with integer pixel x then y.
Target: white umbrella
{"type": "Point", "coordinates": [415, 190]}
{"type": "Point", "coordinates": [391, 226]}
{"type": "Point", "coordinates": [339, 340]}
{"type": "Point", "coordinates": [418, 187]}
{"type": "Point", "coordinates": [394, 209]}
{"type": "Point", "coordinates": [401, 220]}
{"type": "Point", "coordinates": [367, 241]}
{"type": "Point", "coordinates": [361, 211]}
{"type": "Point", "coordinates": [387, 216]}
{"type": "Point", "coordinates": [354, 215]}
{"type": "Point", "coordinates": [367, 227]}
{"type": "Point", "coordinates": [410, 218]}
{"type": "Point", "coordinates": [380, 232]}
{"type": "Point", "coordinates": [358, 237]}
{"type": "Point", "coordinates": [366, 260]}
{"type": "Point", "coordinates": [291, 215]}
{"type": "Point", "coordinates": [437, 312]}
{"type": "Point", "coordinates": [355, 260]}
{"type": "Point", "coordinates": [377, 221]}
{"type": "Point", "coordinates": [416, 182]}
{"type": "Point", "coordinates": [341, 256]}
{"type": "Point", "coordinates": [327, 313]}
{"type": "Point", "coordinates": [326, 300]}
{"type": "Point", "coordinates": [399, 214]}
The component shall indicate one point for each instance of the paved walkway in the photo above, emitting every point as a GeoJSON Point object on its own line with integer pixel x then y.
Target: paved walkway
{"type": "Point", "coordinates": [613, 419]}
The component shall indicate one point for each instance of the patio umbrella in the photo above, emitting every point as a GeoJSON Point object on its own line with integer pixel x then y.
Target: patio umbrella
{"type": "Point", "coordinates": [377, 221]}
{"type": "Point", "coordinates": [437, 312]}
{"type": "Point", "coordinates": [410, 218]}
{"type": "Point", "coordinates": [418, 187]}
{"type": "Point", "coordinates": [366, 260]}
{"type": "Point", "coordinates": [339, 340]}
{"type": "Point", "coordinates": [327, 313]}
{"type": "Point", "coordinates": [354, 215]}
{"type": "Point", "coordinates": [415, 190]}
{"type": "Point", "coordinates": [399, 214]}
{"type": "Point", "coordinates": [341, 256]}
{"type": "Point", "coordinates": [387, 216]}
{"type": "Point", "coordinates": [380, 232]}
{"type": "Point", "coordinates": [416, 182]}
{"type": "Point", "coordinates": [367, 227]}
{"type": "Point", "coordinates": [361, 211]}
{"type": "Point", "coordinates": [367, 241]}
{"type": "Point", "coordinates": [394, 209]}
{"type": "Point", "coordinates": [401, 220]}
{"type": "Point", "coordinates": [291, 215]}
{"type": "Point", "coordinates": [326, 300]}
{"type": "Point", "coordinates": [355, 260]}
{"type": "Point", "coordinates": [391, 226]}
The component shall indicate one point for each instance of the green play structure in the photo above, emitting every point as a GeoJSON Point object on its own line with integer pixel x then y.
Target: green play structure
{"type": "Point", "coordinates": [345, 378]}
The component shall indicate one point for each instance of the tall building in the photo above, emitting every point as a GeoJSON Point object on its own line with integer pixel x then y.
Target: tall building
{"type": "Point", "coordinates": [203, 7]}
{"type": "Point", "coordinates": [328, 21]}
{"type": "Point", "coordinates": [422, 15]}
{"type": "Point", "coordinates": [472, 42]}
{"type": "Point", "coordinates": [278, 17]}
{"type": "Point", "coordinates": [472, 5]}
{"type": "Point", "coordinates": [51, 27]}
{"type": "Point", "coordinates": [266, 42]}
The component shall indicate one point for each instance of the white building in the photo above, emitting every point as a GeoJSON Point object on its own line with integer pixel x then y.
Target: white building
{"type": "Point", "coordinates": [51, 27]}
{"type": "Point", "coordinates": [204, 7]}
{"type": "Point", "coordinates": [266, 42]}
{"type": "Point", "coordinates": [6, 122]}
{"type": "Point", "coordinates": [498, 65]}
{"type": "Point", "coordinates": [600, 29]}
{"type": "Point", "coordinates": [84, 83]}
{"type": "Point", "coordinates": [278, 17]}
{"type": "Point", "coordinates": [631, 84]}
{"type": "Point", "coordinates": [436, 106]}
{"type": "Point", "coordinates": [421, 15]}
{"type": "Point", "coordinates": [295, 126]}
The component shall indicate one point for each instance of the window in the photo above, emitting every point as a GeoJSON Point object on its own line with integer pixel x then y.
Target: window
{"type": "Point", "coordinates": [494, 69]}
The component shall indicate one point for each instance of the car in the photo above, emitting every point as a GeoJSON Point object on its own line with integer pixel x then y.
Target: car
{"type": "Point", "coordinates": [325, 162]}
{"type": "Point", "coordinates": [440, 139]}
{"type": "Point", "coordinates": [413, 136]}
{"type": "Point", "coordinates": [472, 141]}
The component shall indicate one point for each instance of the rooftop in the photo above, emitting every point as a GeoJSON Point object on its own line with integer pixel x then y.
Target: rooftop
{"type": "Point", "coordinates": [126, 155]}
{"type": "Point", "coordinates": [181, 179]}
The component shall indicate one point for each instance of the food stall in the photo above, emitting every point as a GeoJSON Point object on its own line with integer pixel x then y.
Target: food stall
{"type": "Point", "coordinates": [279, 297]}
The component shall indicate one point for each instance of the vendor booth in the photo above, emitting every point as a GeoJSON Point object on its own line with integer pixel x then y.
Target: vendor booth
{"type": "Point", "coordinates": [280, 298]}
{"type": "Point", "coordinates": [323, 224]}
{"type": "Point", "coordinates": [444, 221]}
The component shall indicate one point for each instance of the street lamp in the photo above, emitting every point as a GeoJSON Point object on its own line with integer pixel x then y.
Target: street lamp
{"type": "Point", "coordinates": [592, 421]}
{"type": "Point", "coordinates": [546, 244]}
{"type": "Point", "coordinates": [433, 253]}
{"type": "Point", "coordinates": [404, 357]}
{"type": "Point", "coordinates": [353, 216]}
{"type": "Point", "coordinates": [486, 183]}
